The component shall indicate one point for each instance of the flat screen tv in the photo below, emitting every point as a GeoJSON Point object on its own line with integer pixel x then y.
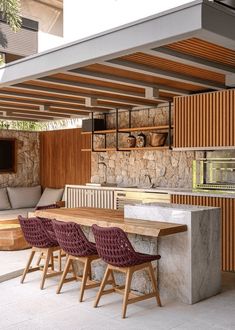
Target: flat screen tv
{"type": "Point", "coordinates": [7, 155]}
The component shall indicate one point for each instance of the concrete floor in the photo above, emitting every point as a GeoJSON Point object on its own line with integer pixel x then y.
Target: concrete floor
{"type": "Point", "coordinates": [25, 307]}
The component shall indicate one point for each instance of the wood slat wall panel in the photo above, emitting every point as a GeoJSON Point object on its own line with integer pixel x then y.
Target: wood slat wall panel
{"type": "Point", "coordinates": [227, 206]}
{"type": "Point", "coordinates": [61, 159]}
{"type": "Point", "coordinates": [205, 120]}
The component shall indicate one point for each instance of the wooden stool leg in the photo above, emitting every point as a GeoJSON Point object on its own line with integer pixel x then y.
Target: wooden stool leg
{"type": "Point", "coordinates": [45, 268]}
{"type": "Point", "coordinates": [65, 272]}
{"type": "Point", "coordinates": [127, 291]}
{"type": "Point", "coordinates": [39, 259]}
{"type": "Point", "coordinates": [52, 262]}
{"type": "Point", "coordinates": [73, 270]}
{"type": "Point", "coordinates": [154, 284]}
{"type": "Point", "coordinates": [60, 261]}
{"type": "Point", "coordinates": [89, 272]}
{"type": "Point", "coordinates": [112, 278]}
{"type": "Point", "coordinates": [27, 265]}
{"type": "Point", "coordinates": [85, 275]}
{"type": "Point", "coordinates": [102, 286]}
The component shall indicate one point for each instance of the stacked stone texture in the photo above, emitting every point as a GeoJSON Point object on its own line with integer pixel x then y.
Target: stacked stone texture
{"type": "Point", "coordinates": [27, 163]}
{"type": "Point", "coordinates": [167, 168]}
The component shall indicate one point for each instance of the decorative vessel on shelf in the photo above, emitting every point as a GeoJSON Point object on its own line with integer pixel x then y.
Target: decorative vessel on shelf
{"type": "Point", "coordinates": [131, 141]}
{"type": "Point", "coordinates": [141, 140]}
{"type": "Point", "coordinates": [157, 139]}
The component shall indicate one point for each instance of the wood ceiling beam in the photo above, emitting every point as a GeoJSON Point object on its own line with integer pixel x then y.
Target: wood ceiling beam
{"type": "Point", "coordinates": [130, 100]}
{"type": "Point", "coordinates": [19, 118]}
{"type": "Point", "coordinates": [180, 57]}
{"type": "Point", "coordinates": [66, 83]}
{"type": "Point", "coordinates": [33, 111]}
{"type": "Point", "coordinates": [140, 68]}
{"type": "Point", "coordinates": [125, 81]}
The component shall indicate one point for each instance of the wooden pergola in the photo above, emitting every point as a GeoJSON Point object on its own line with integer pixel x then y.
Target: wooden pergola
{"type": "Point", "coordinates": [186, 50]}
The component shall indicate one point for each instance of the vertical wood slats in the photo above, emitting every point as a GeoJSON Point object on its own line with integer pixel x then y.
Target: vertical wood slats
{"type": "Point", "coordinates": [205, 120]}
{"type": "Point", "coordinates": [88, 197]}
{"type": "Point", "coordinates": [61, 159]}
{"type": "Point", "coordinates": [227, 206]}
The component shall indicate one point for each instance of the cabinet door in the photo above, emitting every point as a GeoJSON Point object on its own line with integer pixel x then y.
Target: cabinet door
{"type": "Point", "coordinates": [227, 206]}
{"type": "Point", "coordinates": [205, 120]}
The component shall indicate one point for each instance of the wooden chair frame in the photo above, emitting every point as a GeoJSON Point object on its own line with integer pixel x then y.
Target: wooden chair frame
{"type": "Point", "coordinates": [47, 253]}
{"type": "Point", "coordinates": [87, 282]}
{"type": "Point", "coordinates": [56, 258]}
{"type": "Point", "coordinates": [129, 297]}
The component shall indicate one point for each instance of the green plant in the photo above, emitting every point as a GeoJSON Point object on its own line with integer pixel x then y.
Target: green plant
{"type": "Point", "coordinates": [11, 12]}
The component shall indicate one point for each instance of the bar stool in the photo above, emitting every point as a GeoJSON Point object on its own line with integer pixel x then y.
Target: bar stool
{"type": "Point", "coordinates": [116, 250]}
{"type": "Point", "coordinates": [35, 232]}
{"type": "Point", "coordinates": [75, 244]}
{"type": "Point", "coordinates": [50, 230]}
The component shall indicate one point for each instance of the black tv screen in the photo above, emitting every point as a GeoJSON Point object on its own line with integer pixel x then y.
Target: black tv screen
{"type": "Point", "coordinates": [7, 155]}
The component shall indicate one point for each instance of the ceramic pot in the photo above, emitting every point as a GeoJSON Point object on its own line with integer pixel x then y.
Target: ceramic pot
{"type": "Point", "coordinates": [131, 141]}
{"type": "Point", "coordinates": [157, 139]}
{"type": "Point", "coordinates": [141, 140]}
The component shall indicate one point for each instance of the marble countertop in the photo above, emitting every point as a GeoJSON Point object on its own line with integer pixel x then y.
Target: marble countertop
{"type": "Point", "coordinates": [162, 190]}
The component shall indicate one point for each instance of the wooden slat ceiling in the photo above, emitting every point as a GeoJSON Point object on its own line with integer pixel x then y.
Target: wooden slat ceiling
{"type": "Point", "coordinates": [122, 82]}
{"type": "Point", "coordinates": [205, 50]}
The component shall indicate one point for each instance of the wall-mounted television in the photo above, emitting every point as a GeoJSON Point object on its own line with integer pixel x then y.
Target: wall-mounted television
{"type": "Point", "coordinates": [7, 155]}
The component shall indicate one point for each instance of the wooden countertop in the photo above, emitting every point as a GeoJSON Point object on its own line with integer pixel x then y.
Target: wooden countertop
{"type": "Point", "coordinates": [112, 218]}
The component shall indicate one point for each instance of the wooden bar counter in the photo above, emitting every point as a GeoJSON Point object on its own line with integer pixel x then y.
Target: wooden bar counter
{"type": "Point", "coordinates": [189, 268]}
{"type": "Point", "coordinates": [112, 218]}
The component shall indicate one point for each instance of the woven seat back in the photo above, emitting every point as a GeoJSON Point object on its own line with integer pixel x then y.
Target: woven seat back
{"type": "Point", "coordinates": [47, 207]}
{"type": "Point", "coordinates": [114, 247]}
{"type": "Point", "coordinates": [72, 239]}
{"type": "Point", "coordinates": [35, 233]}
{"type": "Point", "coordinates": [48, 226]}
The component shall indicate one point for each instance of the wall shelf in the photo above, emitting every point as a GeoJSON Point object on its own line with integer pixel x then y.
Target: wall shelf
{"type": "Point", "coordinates": [143, 148]}
{"type": "Point", "coordinates": [127, 130]}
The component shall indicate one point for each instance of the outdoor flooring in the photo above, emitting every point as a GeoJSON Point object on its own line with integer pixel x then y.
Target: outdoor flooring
{"type": "Point", "coordinates": [25, 306]}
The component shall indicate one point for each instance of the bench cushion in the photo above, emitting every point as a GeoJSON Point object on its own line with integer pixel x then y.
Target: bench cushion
{"type": "Point", "coordinates": [50, 196]}
{"type": "Point", "coordinates": [4, 200]}
{"type": "Point", "coordinates": [13, 214]}
{"type": "Point", "coordinates": [24, 197]}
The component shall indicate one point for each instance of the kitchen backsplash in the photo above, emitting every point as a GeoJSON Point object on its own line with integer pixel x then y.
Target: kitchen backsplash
{"type": "Point", "coordinates": [165, 167]}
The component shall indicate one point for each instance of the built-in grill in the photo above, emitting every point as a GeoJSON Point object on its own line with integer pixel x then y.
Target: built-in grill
{"type": "Point", "coordinates": [215, 174]}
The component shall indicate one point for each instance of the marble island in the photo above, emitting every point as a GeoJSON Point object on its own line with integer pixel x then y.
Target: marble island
{"type": "Point", "coordinates": [186, 237]}
{"type": "Point", "coordinates": [189, 269]}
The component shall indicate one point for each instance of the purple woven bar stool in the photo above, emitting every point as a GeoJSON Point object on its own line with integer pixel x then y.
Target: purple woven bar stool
{"type": "Point", "coordinates": [75, 244]}
{"type": "Point", "coordinates": [50, 230]}
{"type": "Point", "coordinates": [116, 250]}
{"type": "Point", "coordinates": [47, 207]}
{"type": "Point", "coordinates": [36, 234]}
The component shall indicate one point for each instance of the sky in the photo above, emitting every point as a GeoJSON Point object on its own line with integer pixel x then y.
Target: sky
{"type": "Point", "coordinates": [87, 17]}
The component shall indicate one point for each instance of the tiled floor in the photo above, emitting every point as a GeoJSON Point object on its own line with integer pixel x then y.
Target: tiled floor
{"type": "Point", "coordinates": [27, 307]}
{"type": "Point", "coordinates": [12, 263]}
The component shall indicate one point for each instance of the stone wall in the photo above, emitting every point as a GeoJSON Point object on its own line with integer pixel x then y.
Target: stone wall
{"type": "Point", "coordinates": [167, 168]}
{"type": "Point", "coordinates": [27, 167]}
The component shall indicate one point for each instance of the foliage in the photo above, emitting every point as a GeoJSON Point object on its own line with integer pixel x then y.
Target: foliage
{"type": "Point", "coordinates": [11, 12]}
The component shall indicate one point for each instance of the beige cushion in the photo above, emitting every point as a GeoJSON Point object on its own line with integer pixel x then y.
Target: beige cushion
{"type": "Point", "coordinates": [50, 196]}
{"type": "Point", "coordinates": [24, 197]}
{"type": "Point", "coordinates": [4, 200]}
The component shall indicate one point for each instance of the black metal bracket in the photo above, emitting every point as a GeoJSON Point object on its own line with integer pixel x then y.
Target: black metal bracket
{"type": "Point", "coordinates": [117, 137]}
{"type": "Point", "coordinates": [169, 126]}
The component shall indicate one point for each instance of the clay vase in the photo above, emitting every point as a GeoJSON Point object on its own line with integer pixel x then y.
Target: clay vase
{"type": "Point", "coordinates": [141, 140]}
{"type": "Point", "coordinates": [157, 139]}
{"type": "Point", "coordinates": [131, 141]}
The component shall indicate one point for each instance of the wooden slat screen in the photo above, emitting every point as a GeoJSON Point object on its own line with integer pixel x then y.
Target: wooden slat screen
{"type": "Point", "coordinates": [61, 159]}
{"type": "Point", "coordinates": [205, 120]}
{"type": "Point", "coordinates": [227, 206]}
